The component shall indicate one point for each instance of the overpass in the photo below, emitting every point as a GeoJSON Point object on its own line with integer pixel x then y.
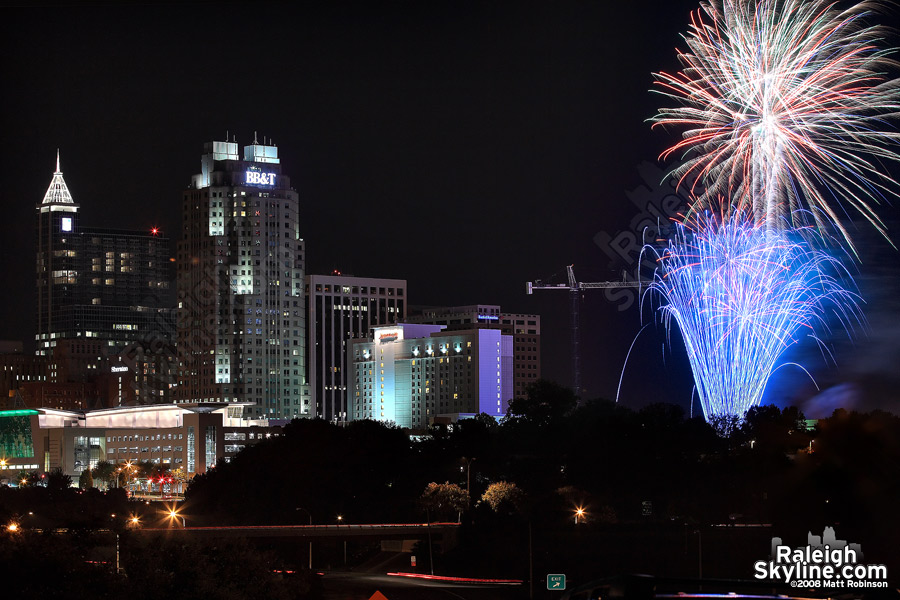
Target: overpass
{"type": "Point", "coordinates": [341, 531]}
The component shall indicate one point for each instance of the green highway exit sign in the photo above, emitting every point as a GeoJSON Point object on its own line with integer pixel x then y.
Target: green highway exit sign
{"type": "Point", "coordinates": [556, 582]}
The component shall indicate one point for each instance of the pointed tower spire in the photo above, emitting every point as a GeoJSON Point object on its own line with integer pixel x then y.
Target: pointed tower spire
{"type": "Point", "coordinates": [58, 192]}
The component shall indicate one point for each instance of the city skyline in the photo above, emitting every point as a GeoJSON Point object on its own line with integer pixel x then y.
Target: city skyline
{"type": "Point", "coordinates": [509, 139]}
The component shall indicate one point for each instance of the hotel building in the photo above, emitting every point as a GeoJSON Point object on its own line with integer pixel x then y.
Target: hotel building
{"type": "Point", "coordinates": [102, 293]}
{"type": "Point", "coordinates": [525, 329]}
{"type": "Point", "coordinates": [409, 374]}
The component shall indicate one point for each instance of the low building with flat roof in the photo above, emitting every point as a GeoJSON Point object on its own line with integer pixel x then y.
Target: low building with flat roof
{"type": "Point", "coordinates": [193, 437]}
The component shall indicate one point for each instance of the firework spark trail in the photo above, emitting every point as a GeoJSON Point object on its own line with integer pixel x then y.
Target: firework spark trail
{"type": "Point", "coordinates": [741, 296]}
{"type": "Point", "coordinates": [783, 105]}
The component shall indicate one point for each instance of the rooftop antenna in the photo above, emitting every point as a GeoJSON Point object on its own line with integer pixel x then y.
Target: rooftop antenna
{"type": "Point", "coordinates": [57, 160]}
{"type": "Point", "coordinates": [254, 139]}
{"type": "Point", "coordinates": [226, 136]}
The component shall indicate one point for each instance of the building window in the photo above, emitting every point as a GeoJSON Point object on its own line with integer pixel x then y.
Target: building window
{"type": "Point", "coordinates": [191, 448]}
{"type": "Point", "coordinates": [210, 446]}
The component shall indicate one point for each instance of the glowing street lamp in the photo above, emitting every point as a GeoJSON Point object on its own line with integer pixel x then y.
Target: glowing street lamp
{"type": "Point", "coordinates": [12, 527]}
{"type": "Point", "coordinates": [579, 513]}
{"type": "Point", "coordinates": [174, 516]}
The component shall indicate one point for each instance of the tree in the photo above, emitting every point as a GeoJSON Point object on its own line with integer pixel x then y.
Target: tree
{"type": "Point", "coordinates": [105, 471]}
{"type": "Point", "coordinates": [488, 421]}
{"type": "Point", "coordinates": [444, 499]}
{"type": "Point", "coordinates": [504, 493]}
{"type": "Point", "coordinates": [144, 469]}
{"type": "Point", "coordinates": [780, 431]}
{"type": "Point", "coordinates": [86, 480]}
{"type": "Point", "coordinates": [545, 403]}
{"type": "Point", "coordinates": [58, 480]}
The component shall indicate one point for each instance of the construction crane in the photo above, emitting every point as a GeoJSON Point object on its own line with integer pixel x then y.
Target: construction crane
{"type": "Point", "coordinates": [575, 288]}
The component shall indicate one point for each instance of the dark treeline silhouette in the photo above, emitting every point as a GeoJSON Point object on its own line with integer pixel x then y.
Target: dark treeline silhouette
{"type": "Point", "coordinates": [81, 565]}
{"type": "Point", "coordinates": [650, 478]}
{"type": "Point", "coordinates": [625, 467]}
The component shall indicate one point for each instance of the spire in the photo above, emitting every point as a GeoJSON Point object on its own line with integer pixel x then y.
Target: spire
{"type": "Point", "coordinates": [58, 192]}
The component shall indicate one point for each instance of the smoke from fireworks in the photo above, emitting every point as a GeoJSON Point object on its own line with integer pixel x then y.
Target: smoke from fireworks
{"type": "Point", "coordinates": [741, 296]}
{"type": "Point", "coordinates": [783, 105]}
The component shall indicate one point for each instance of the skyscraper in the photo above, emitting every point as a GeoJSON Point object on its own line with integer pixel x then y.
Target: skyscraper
{"type": "Point", "coordinates": [242, 313]}
{"type": "Point", "coordinates": [57, 269]}
{"type": "Point", "coordinates": [107, 289]}
{"type": "Point", "coordinates": [342, 308]}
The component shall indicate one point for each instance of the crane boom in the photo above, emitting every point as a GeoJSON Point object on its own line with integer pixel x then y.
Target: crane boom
{"type": "Point", "coordinates": [573, 286]}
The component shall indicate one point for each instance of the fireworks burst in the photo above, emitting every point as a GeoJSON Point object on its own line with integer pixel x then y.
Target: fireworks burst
{"type": "Point", "coordinates": [783, 106]}
{"type": "Point", "coordinates": [741, 296]}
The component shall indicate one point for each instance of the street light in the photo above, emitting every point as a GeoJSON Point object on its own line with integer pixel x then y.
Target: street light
{"type": "Point", "coordinates": [174, 516]}
{"type": "Point", "coordinates": [468, 463]}
{"type": "Point", "coordinates": [309, 514]}
{"type": "Point", "coordinates": [579, 513]}
{"type": "Point", "coordinates": [12, 527]}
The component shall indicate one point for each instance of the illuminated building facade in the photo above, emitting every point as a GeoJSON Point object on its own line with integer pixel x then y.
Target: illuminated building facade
{"type": "Point", "coordinates": [191, 437]}
{"type": "Point", "coordinates": [105, 284]}
{"type": "Point", "coordinates": [525, 329]}
{"type": "Point", "coordinates": [410, 374]}
{"type": "Point", "coordinates": [106, 289]}
{"type": "Point", "coordinates": [343, 308]}
{"type": "Point", "coordinates": [242, 311]}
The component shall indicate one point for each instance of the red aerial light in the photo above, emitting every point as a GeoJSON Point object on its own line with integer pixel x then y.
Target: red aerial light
{"type": "Point", "coordinates": [154, 231]}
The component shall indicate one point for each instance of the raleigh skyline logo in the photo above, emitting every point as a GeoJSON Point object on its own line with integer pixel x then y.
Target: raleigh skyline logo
{"type": "Point", "coordinates": [825, 562]}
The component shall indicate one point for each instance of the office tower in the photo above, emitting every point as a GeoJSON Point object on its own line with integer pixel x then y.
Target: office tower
{"type": "Point", "coordinates": [342, 308]}
{"type": "Point", "coordinates": [242, 313]}
{"type": "Point", "coordinates": [105, 288]}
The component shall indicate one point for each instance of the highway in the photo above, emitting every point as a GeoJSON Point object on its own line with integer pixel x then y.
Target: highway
{"type": "Point", "coordinates": [360, 586]}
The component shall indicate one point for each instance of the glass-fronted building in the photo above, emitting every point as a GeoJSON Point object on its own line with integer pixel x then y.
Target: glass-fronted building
{"type": "Point", "coordinates": [105, 287]}
{"type": "Point", "coordinates": [191, 437]}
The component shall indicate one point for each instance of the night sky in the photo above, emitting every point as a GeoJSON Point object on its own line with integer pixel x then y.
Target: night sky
{"type": "Point", "coordinates": [467, 148]}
